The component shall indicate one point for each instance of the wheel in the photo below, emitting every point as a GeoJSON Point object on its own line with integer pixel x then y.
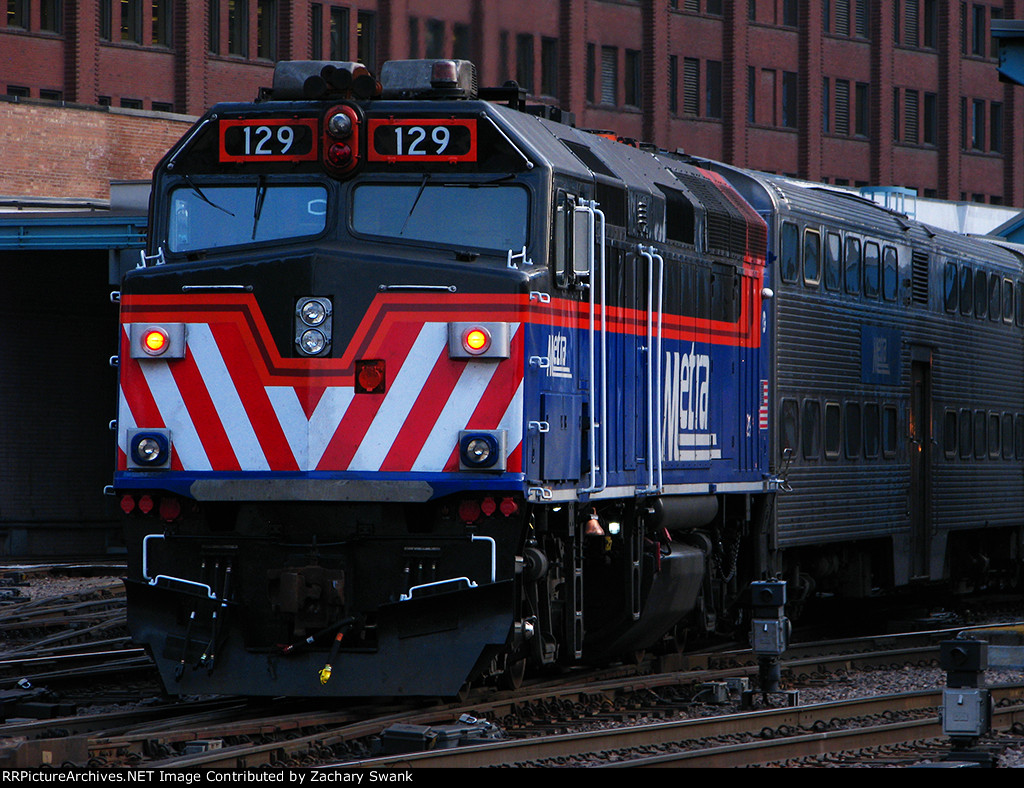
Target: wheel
{"type": "Point", "coordinates": [511, 678]}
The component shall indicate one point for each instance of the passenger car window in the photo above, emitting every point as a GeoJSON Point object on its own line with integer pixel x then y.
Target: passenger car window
{"type": "Point", "coordinates": [853, 430]}
{"type": "Point", "coordinates": [810, 435]}
{"type": "Point", "coordinates": [833, 430]}
{"type": "Point", "coordinates": [812, 257]}
{"type": "Point", "coordinates": [852, 265]}
{"type": "Point", "coordinates": [833, 262]}
{"type": "Point", "coordinates": [789, 426]}
{"type": "Point", "coordinates": [980, 294]}
{"type": "Point", "coordinates": [949, 434]}
{"type": "Point", "coordinates": [890, 273]}
{"type": "Point", "coordinates": [872, 271]}
{"type": "Point", "coordinates": [872, 430]}
{"type": "Point", "coordinates": [889, 431]}
{"type": "Point", "coordinates": [966, 289]}
{"type": "Point", "coordinates": [950, 289]}
{"type": "Point", "coordinates": [788, 264]}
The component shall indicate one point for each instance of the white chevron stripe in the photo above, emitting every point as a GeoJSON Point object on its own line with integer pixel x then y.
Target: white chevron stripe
{"type": "Point", "coordinates": [125, 421]}
{"type": "Point", "coordinates": [512, 421]}
{"type": "Point", "coordinates": [184, 438]}
{"type": "Point", "coordinates": [309, 438]}
{"type": "Point", "coordinates": [453, 417]}
{"type": "Point", "coordinates": [401, 395]}
{"type": "Point", "coordinates": [226, 401]}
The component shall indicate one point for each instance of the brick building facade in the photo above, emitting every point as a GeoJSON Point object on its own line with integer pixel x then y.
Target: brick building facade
{"type": "Point", "coordinates": [857, 92]}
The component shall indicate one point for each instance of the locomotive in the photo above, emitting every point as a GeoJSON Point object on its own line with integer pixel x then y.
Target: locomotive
{"type": "Point", "coordinates": [420, 386]}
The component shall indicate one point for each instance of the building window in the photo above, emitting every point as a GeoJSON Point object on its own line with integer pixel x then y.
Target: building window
{"type": "Point", "coordinates": [789, 99]}
{"type": "Point", "coordinates": [339, 33]}
{"type": "Point", "coordinates": [673, 84]}
{"type": "Point", "coordinates": [130, 103]}
{"type": "Point", "coordinates": [979, 35]}
{"type": "Point", "coordinates": [789, 13]}
{"type": "Point", "coordinates": [713, 89]}
{"type": "Point", "coordinates": [609, 75]}
{"type": "Point", "coordinates": [549, 66]}
{"type": "Point", "coordinates": [213, 28]}
{"type": "Point", "coordinates": [238, 27]}
{"type": "Point", "coordinates": [862, 125]}
{"type": "Point", "coordinates": [17, 14]}
{"type": "Point", "coordinates": [462, 42]}
{"type": "Point", "coordinates": [633, 79]}
{"type": "Point", "coordinates": [931, 24]}
{"type": "Point", "coordinates": [50, 16]}
{"type": "Point", "coordinates": [896, 113]}
{"type": "Point", "coordinates": [592, 72]}
{"type": "Point", "coordinates": [435, 39]}
{"type": "Point", "coordinates": [51, 95]}
{"type": "Point", "coordinates": [842, 25]}
{"type": "Point", "coordinates": [995, 116]}
{"type": "Point", "coordinates": [978, 125]}
{"type": "Point", "coordinates": [714, 8]}
{"type": "Point", "coordinates": [105, 23]}
{"type": "Point", "coordinates": [826, 16]}
{"type": "Point", "coordinates": [826, 107]}
{"type": "Point", "coordinates": [691, 86]}
{"type": "Point", "coordinates": [993, 44]}
{"type": "Point", "coordinates": [911, 21]}
{"type": "Point", "coordinates": [131, 22]}
{"type": "Point", "coordinates": [842, 107]}
{"type": "Point", "coordinates": [266, 29]}
{"type": "Point", "coordinates": [524, 61]}
{"type": "Point", "coordinates": [862, 28]}
{"type": "Point", "coordinates": [316, 31]}
{"type": "Point", "coordinates": [910, 129]}
{"type": "Point", "coordinates": [162, 23]}
{"type": "Point", "coordinates": [931, 119]}
{"type": "Point", "coordinates": [751, 94]}
{"type": "Point", "coordinates": [366, 39]}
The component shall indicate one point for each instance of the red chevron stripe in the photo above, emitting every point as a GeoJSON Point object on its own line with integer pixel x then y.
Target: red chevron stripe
{"type": "Point", "coordinates": [251, 391]}
{"type": "Point", "coordinates": [435, 395]}
{"type": "Point", "coordinates": [495, 400]}
{"type": "Point", "coordinates": [204, 415]}
{"type": "Point", "coordinates": [357, 419]}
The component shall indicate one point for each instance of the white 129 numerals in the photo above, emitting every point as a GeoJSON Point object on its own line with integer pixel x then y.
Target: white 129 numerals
{"type": "Point", "coordinates": [416, 135]}
{"type": "Point", "coordinates": [263, 136]}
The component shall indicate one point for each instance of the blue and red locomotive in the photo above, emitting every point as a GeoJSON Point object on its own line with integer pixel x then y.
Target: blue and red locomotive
{"type": "Point", "coordinates": [420, 386]}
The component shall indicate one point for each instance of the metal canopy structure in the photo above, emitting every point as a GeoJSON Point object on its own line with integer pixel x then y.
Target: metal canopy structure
{"type": "Point", "coordinates": [72, 230]}
{"type": "Point", "coordinates": [1010, 34]}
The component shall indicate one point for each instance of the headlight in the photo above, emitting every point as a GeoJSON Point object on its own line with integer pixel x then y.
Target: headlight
{"type": "Point", "coordinates": [313, 312]}
{"type": "Point", "coordinates": [312, 342]}
{"type": "Point", "coordinates": [313, 325]}
{"type": "Point", "coordinates": [149, 449]}
{"type": "Point", "coordinates": [481, 450]}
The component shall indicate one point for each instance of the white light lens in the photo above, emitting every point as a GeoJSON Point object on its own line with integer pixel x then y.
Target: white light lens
{"type": "Point", "coordinates": [313, 313]}
{"type": "Point", "coordinates": [478, 450]}
{"type": "Point", "coordinates": [148, 450]}
{"type": "Point", "coordinates": [312, 341]}
{"type": "Point", "coordinates": [340, 125]}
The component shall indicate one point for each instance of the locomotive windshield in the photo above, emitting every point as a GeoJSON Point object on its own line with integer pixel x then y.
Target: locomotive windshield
{"type": "Point", "coordinates": [452, 214]}
{"type": "Point", "coordinates": [208, 216]}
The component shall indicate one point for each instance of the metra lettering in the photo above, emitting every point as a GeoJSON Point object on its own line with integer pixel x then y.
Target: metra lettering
{"type": "Point", "coordinates": [687, 400]}
{"type": "Point", "coordinates": [558, 354]}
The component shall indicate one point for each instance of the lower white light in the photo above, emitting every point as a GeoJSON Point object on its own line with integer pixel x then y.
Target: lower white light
{"type": "Point", "coordinates": [312, 341]}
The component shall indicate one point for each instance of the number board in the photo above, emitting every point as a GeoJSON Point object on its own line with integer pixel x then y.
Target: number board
{"type": "Point", "coordinates": [422, 139]}
{"type": "Point", "coordinates": [268, 139]}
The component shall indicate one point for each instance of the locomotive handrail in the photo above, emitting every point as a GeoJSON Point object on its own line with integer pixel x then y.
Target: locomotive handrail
{"type": "Point", "coordinates": [210, 593]}
{"type": "Point", "coordinates": [593, 214]}
{"type": "Point", "coordinates": [408, 594]}
{"type": "Point", "coordinates": [654, 465]}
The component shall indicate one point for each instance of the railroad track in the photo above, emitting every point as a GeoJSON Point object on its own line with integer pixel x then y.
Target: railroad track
{"type": "Point", "coordinates": [235, 733]}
